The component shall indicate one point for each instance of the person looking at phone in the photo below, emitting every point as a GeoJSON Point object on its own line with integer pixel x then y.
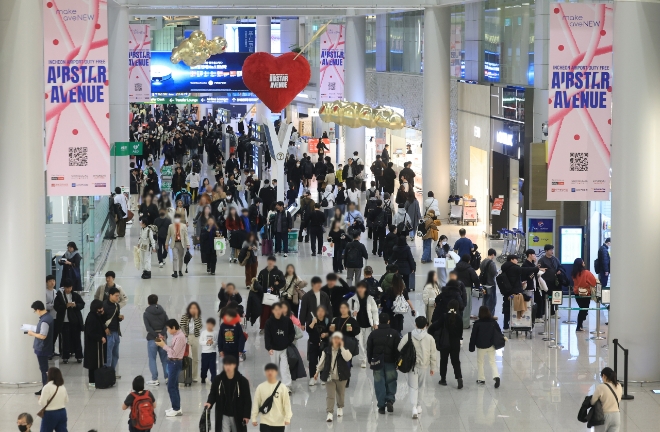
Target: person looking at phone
{"type": "Point", "coordinates": [154, 318]}
{"type": "Point", "coordinates": [112, 317]}
{"type": "Point", "coordinates": [230, 393]}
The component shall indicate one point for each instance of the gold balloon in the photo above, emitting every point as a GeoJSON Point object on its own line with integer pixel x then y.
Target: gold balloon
{"type": "Point", "coordinates": [197, 35]}
{"type": "Point", "coordinates": [366, 117]}
{"type": "Point", "coordinates": [325, 113]}
{"type": "Point", "coordinates": [396, 121]}
{"type": "Point", "coordinates": [196, 49]}
{"type": "Point", "coordinates": [382, 115]}
{"type": "Point", "coordinates": [351, 115]}
{"type": "Point", "coordinates": [354, 115]}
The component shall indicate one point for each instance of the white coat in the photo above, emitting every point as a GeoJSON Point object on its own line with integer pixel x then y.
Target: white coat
{"type": "Point", "coordinates": [424, 346]}
{"type": "Point", "coordinates": [372, 308]}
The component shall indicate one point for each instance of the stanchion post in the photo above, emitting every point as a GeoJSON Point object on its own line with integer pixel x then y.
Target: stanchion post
{"type": "Point", "coordinates": [546, 323]}
{"type": "Point", "coordinates": [556, 338]}
{"type": "Point", "coordinates": [597, 333]}
{"type": "Point", "coordinates": [626, 396]}
{"type": "Point", "coordinates": [569, 321]}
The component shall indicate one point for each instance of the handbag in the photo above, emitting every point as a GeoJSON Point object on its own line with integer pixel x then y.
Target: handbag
{"type": "Point", "coordinates": [352, 345]}
{"type": "Point", "coordinates": [269, 299]}
{"type": "Point", "coordinates": [42, 411]}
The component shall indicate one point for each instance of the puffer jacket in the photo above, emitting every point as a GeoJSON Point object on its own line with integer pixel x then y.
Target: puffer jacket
{"type": "Point", "coordinates": [431, 226]}
{"type": "Point", "coordinates": [454, 290]}
{"type": "Point", "coordinates": [483, 334]}
{"type": "Point", "coordinates": [383, 341]}
{"type": "Point", "coordinates": [403, 258]}
{"type": "Point", "coordinates": [466, 274]}
{"type": "Point", "coordinates": [372, 308]}
{"type": "Point", "coordinates": [424, 348]}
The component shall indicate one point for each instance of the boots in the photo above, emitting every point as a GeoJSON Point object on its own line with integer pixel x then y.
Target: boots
{"type": "Point", "coordinates": [460, 383]}
{"type": "Point", "coordinates": [146, 275]}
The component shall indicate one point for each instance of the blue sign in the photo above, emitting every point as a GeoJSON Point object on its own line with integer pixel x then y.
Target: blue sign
{"type": "Point", "coordinates": [220, 73]}
{"type": "Point", "coordinates": [246, 39]}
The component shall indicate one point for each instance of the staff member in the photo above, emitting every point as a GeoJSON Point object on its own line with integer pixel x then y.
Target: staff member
{"type": "Point", "coordinates": [43, 339]}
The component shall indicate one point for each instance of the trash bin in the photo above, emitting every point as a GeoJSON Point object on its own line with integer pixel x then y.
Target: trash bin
{"type": "Point", "coordinates": [293, 241]}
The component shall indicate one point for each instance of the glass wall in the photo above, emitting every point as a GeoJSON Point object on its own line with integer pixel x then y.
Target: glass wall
{"type": "Point", "coordinates": [405, 41]}
{"type": "Point", "coordinates": [370, 54]}
{"type": "Point", "coordinates": [457, 41]}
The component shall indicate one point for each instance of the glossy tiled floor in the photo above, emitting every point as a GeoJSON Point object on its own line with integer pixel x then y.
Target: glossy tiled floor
{"type": "Point", "coordinates": [542, 388]}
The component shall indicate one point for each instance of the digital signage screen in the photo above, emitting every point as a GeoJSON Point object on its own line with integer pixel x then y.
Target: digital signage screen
{"type": "Point", "coordinates": [220, 73]}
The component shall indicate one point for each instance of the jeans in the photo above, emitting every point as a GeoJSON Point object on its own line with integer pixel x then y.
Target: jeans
{"type": "Point", "coordinates": [154, 350]}
{"type": "Point", "coordinates": [162, 252]}
{"type": "Point", "coordinates": [208, 364]}
{"type": "Point", "coordinates": [54, 420]}
{"type": "Point", "coordinates": [113, 350]}
{"type": "Point", "coordinates": [353, 273]}
{"type": "Point", "coordinates": [481, 353]}
{"type": "Point", "coordinates": [445, 355]}
{"type": "Point", "coordinates": [282, 361]}
{"type": "Point", "coordinates": [282, 242]}
{"type": "Point", "coordinates": [417, 380]}
{"type": "Point", "coordinates": [385, 384]}
{"type": "Point", "coordinates": [173, 369]}
{"type": "Point", "coordinates": [426, 254]}
{"type": "Point", "coordinates": [43, 368]}
{"type": "Point", "coordinates": [490, 300]}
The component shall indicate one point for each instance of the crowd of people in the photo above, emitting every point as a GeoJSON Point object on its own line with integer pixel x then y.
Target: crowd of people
{"type": "Point", "coordinates": [351, 321]}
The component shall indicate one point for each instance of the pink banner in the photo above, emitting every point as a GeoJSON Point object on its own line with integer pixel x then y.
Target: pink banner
{"type": "Point", "coordinates": [580, 98]}
{"type": "Point", "coordinates": [76, 97]}
{"type": "Point", "coordinates": [332, 62]}
{"type": "Point", "coordinates": [139, 63]}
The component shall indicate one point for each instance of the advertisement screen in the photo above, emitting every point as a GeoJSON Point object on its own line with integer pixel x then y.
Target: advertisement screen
{"type": "Point", "coordinates": [220, 73]}
{"type": "Point", "coordinates": [540, 232]}
{"type": "Point", "coordinates": [139, 63]}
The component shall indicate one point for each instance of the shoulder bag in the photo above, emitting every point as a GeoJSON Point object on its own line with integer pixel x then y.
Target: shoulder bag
{"type": "Point", "coordinates": [42, 411]}
{"type": "Point", "coordinates": [268, 403]}
{"type": "Point", "coordinates": [350, 342]}
{"type": "Point", "coordinates": [615, 396]}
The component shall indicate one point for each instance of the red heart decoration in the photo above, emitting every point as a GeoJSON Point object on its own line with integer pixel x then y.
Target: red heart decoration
{"type": "Point", "coordinates": [257, 70]}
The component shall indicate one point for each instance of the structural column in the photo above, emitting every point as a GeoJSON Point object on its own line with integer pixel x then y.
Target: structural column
{"type": "Point", "coordinates": [355, 80]}
{"type": "Point", "coordinates": [635, 175]}
{"type": "Point", "coordinates": [541, 40]}
{"type": "Point", "coordinates": [289, 38]}
{"type": "Point", "coordinates": [263, 45]}
{"type": "Point", "coordinates": [118, 73]}
{"type": "Point", "coordinates": [22, 153]}
{"type": "Point", "coordinates": [474, 41]}
{"type": "Point", "coordinates": [206, 26]}
{"type": "Point", "coordinates": [435, 150]}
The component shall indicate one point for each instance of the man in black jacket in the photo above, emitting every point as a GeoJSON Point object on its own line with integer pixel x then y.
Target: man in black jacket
{"type": "Point", "coordinates": [271, 277]}
{"type": "Point", "coordinates": [315, 222]}
{"type": "Point", "coordinates": [278, 335]}
{"type": "Point", "coordinates": [514, 274]}
{"type": "Point", "coordinates": [268, 196]}
{"type": "Point", "coordinates": [388, 178]}
{"type": "Point", "coordinates": [604, 262]}
{"type": "Point", "coordinates": [163, 223]}
{"type": "Point", "coordinates": [312, 300]}
{"type": "Point", "coordinates": [532, 283]}
{"type": "Point", "coordinates": [281, 226]}
{"type": "Point", "coordinates": [468, 276]}
{"type": "Point", "coordinates": [382, 348]}
{"type": "Point", "coordinates": [230, 393]}
{"type": "Point", "coordinates": [377, 168]}
{"type": "Point", "coordinates": [68, 305]}
{"type": "Point", "coordinates": [408, 174]}
{"type": "Point", "coordinates": [354, 256]}
{"type": "Point", "coordinates": [335, 292]}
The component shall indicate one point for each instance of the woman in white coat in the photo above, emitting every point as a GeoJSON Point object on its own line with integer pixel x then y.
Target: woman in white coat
{"type": "Point", "coordinates": [364, 309]}
{"type": "Point", "coordinates": [329, 196]}
{"type": "Point", "coordinates": [146, 244]}
{"type": "Point", "coordinates": [431, 291]}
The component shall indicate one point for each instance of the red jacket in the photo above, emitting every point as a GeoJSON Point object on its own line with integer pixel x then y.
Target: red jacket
{"type": "Point", "coordinates": [585, 280]}
{"type": "Point", "coordinates": [234, 225]}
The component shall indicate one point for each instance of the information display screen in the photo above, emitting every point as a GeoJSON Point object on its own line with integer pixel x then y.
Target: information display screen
{"type": "Point", "coordinates": [220, 73]}
{"type": "Point", "coordinates": [570, 240]}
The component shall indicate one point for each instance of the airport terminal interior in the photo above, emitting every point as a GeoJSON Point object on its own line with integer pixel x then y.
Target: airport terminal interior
{"type": "Point", "coordinates": [478, 151]}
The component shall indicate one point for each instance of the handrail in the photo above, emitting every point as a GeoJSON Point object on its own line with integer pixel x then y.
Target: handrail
{"type": "Point", "coordinates": [617, 345]}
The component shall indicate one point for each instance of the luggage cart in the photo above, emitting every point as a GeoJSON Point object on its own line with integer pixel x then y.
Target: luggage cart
{"type": "Point", "coordinates": [526, 322]}
{"type": "Point", "coordinates": [470, 211]}
{"type": "Point", "coordinates": [455, 213]}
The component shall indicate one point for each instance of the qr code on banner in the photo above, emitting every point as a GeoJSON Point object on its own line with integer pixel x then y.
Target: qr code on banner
{"type": "Point", "coordinates": [331, 85]}
{"type": "Point", "coordinates": [138, 87]}
{"type": "Point", "coordinates": [579, 161]}
{"type": "Point", "coordinates": [77, 156]}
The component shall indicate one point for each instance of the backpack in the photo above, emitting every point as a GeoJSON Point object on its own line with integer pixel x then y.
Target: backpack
{"type": "Point", "coordinates": [483, 276]}
{"type": "Point", "coordinates": [196, 166]}
{"type": "Point", "coordinates": [353, 255]}
{"type": "Point", "coordinates": [597, 267]}
{"type": "Point", "coordinates": [379, 221]}
{"type": "Point", "coordinates": [422, 229]}
{"type": "Point", "coordinates": [143, 416]}
{"type": "Point", "coordinates": [372, 289]}
{"type": "Point", "coordinates": [324, 201]}
{"type": "Point", "coordinates": [403, 227]}
{"type": "Point", "coordinates": [407, 357]}
{"type": "Point", "coordinates": [475, 260]}
{"type": "Point", "coordinates": [503, 284]}
{"type": "Point", "coordinates": [400, 305]}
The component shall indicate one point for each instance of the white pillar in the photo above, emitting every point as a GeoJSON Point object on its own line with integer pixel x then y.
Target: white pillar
{"type": "Point", "coordinates": [289, 34]}
{"type": "Point", "coordinates": [635, 174]}
{"type": "Point", "coordinates": [541, 40]}
{"type": "Point", "coordinates": [355, 80]}
{"type": "Point", "coordinates": [263, 45]}
{"type": "Point", "coordinates": [474, 41]}
{"type": "Point", "coordinates": [206, 25]}
{"type": "Point", "coordinates": [22, 153]}
{"type": "Point", "coordinates": [435, 150]}
{"type": "Point", "coordinates": [118, 73]}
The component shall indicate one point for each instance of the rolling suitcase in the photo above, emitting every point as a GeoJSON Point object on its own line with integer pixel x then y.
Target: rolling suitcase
{"type": "Point", "coordinates": [104, 376]}
{"type": "Point", "coordinates": [266, 247]}
{"type": "Point", "coordinates": [185, 376]}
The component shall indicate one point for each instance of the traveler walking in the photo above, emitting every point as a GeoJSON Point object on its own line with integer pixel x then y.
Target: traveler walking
{"type": "Point", "coordinates": [425, 362]}
{"type": "Point", "coordinates": [146, 245]}
{"type": "Point", "coordinates": [609, 394]}
{"type": "Point", "coordinates": [271, 404]}
{"type": "Point", "coordinates": [431, 291]}
{"type": "Point", "coordinates": [486, 337]}
{"type": "Point", "coordinates": [43, 339]}
{"type": "Point", "coordinates": [354, 255]}
{"type": "Point", "coordinates": [278, 335]}
{"type": "Point", "coordinates": [466, 274]}
{"type": "Point", "coordinates": [364, 309]}
{"type": "Point", "coordinates": [514, 275]}
{"type": "Point", "coordinates": [403, 257]}
{"type": "Point", "coordinates": [162, 223]}
{"type": "Point", "coordinates": [231, 339]}
{"type": "Point", "coordinates": [487, 274]}
{"type": "Point", "coordinates": [603, 269]}
{"type": "Point", "coordinates": [53, 400]}
{"type": "Point", "coordinates": [447, 332]}
{"type": "Point", "coordinates": [177, 239]}
{"type": "Point", "coordinates": [431, 226]}
{"type": "Point", "coordinates": [584, 283]}
{"type": "Point", "coordinates": [319, 337]}
{"type": "Point", "coordinates": [121, 211]}
{"type": "Point", "coordinates": [95, 342]}
{"type": "Point", "coordinates": [316, 221]}
{"type": "Point", "coordinates": [282, 225]}
{"type": "Point", "coordinates": [463, 245]}
{"type": "Point", "coordinates": [175, 352]}
{"type": "Point", "coordinates": [334, 369]}
{"type": "Point", "coordinates": [396, 303]}
{"type": "Point", "coordinates": [192, 316]}
{"type": "Point", "coordinates": [382, 352]}
{"type": "Point", "coordinates": [154, 318]}
{"type": "Point", "coordinates": [208, 341]}
{"type": "Point", "coordinates": [230, 393]}
{"type": "Point", "coordinates": [271, 280]}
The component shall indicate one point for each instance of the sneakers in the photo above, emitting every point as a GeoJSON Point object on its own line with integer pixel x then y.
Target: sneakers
{"type": "Point", "coordinates": [153, 383]}
{"type": "Point", "coordinates": [480, 382]}
{"type": "Point", "coordinates": [173, 413]}
{"type": "Point", "coordinates": [241, 356]}
{"type": "Point", "coordinates": [312, 382]}
{"type": "Point", "coordinates": [419, 409]}
{"type": "Point", "coordinates": [414, 414]}
{"type": "Point", "coordinates": [322, 383]}
{"type": "Point", "coordinates": [340, 412]}
{"type": "Point", "coordinates": [329, 418]}
{"type": "Point", "coordinates": [285, 255]}
{"type": "Point", "coordinates": [363, 365]}
{"type": "Point", "coordinates": [261, 331]}
{"type": "Point", "coordinates": [442, 382]}
{"type": "Point", "coordinates": [117, 377]}
{"type": "Point", "coordinates": [390, 406]}
{"type": "Point", "coordinates": [497, 382]}
{"type": "Point", "coordinates": [92, 385]}
{"type": "Point", "coordinates": [539, 320]}
{"type": "Point", "coordinates": [160, 265]}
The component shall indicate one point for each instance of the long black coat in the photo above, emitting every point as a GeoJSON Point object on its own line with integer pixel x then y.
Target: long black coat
{"type": "Point", "coordinates": [75, 314]}
{"type": "Point", "coordinates": [388, 180]}
{"type": "Point", "coordinates": [94, 346]}
{"type": "Point", "coordinates": [243, 400]}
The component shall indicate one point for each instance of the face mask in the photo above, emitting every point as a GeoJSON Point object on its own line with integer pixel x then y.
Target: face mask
{"type": "Point", "coordinates": [177, 220]}
{"type": "Point", "coordinates": [22, 428]}
{"type": "Point", "coordinates": [444, 243]}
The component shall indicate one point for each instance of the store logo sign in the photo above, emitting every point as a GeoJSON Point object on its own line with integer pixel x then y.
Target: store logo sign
{"type": "Point", "coordinates": [504, 138]}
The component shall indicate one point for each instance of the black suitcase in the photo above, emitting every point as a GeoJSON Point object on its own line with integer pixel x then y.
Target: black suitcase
{"type": "Point", "coordinates": [104, 377]}
{"type": "Point", "coordinates": [185, 376]}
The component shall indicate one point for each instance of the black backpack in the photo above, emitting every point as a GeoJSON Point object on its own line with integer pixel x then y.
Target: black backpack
{"type": "Point", "coordinates": [404, 227]}
{"type": "Point", "coordinates": [503, 284]}
{"type": "Point", "coordinates": [196, 166]}
{"type": "Point", "coordinates": [387, 209]}
{"type": "Point", "coordinates": [372, 288]}
{"type": "Point", "coordinates": [475, 260]}
{"type": "Point", "coordinates": [353, 254]}
{"type": "Point", "coordinates": [379, 220]}
{"type": "Point", "coordinates": [324, 201]}
{"type": "Point", "coordinates": [483, 276]}
{"type": "Point", "coordinates": [407, 356]}
{"type": "Point", "coordinates": [421, 228]}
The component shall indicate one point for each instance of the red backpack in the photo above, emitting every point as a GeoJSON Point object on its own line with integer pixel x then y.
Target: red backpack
{"type": "Point", "coordinates": [143, 416]}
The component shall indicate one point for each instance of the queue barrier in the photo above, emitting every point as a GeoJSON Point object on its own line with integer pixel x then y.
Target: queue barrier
{"type": "Point", "coordinates": [617, 345]}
